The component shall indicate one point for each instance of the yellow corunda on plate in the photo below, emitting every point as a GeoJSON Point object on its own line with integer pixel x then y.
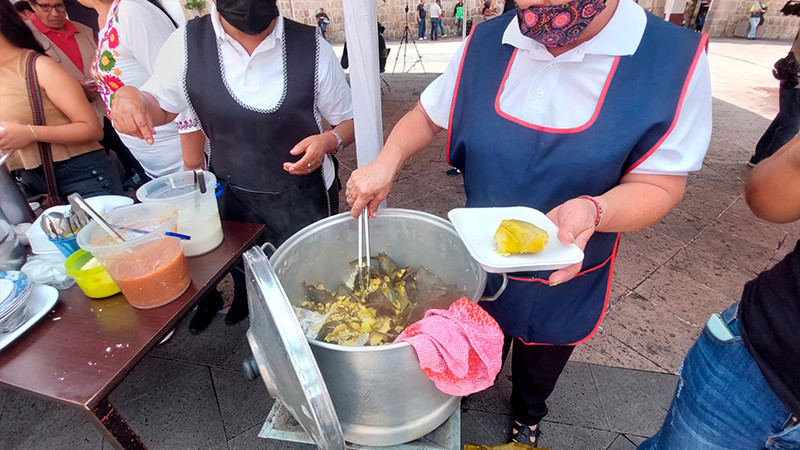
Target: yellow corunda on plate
{"type": "Point", "coordinates": [517, 236]}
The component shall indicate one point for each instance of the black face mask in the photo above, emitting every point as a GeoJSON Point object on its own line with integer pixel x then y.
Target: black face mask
{"type": "Point", "coordinates": [248, 16]}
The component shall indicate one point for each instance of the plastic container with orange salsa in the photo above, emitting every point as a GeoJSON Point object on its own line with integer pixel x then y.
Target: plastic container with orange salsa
{"type": "Point", "coordinates": [149, 267]}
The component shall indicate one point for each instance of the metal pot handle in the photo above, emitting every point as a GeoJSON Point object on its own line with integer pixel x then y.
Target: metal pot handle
{"type": "Point", "coordinates": [268, 246]}
{"type": "Point", "coordinates": [493, 297]}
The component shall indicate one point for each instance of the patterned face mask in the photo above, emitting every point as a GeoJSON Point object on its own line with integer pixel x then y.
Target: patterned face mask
{"type": "Point", "coordinates": [561, 25]}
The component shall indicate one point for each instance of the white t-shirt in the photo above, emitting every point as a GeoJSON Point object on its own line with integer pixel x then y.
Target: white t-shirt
{"type": "Point", "coordinates": [563, 91]}
{"type": "Point", "coordinates": [127, 50]}
{"type": "Point", "coordinates": [435, 12]}
{"type": "Point", "coordinates": [256, 80]}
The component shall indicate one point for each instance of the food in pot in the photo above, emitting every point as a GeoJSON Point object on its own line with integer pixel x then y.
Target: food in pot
{"type": "Point", "coordinates": [355, 315]}
{"type": "Point", "coordinates": [517, 236]}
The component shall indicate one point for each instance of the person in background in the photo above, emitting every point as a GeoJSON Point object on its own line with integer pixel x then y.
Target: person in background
{"type": "Point", "coordinates": [260, 85]}
{"type": "Point", "coordinates": [757, 10]}
{"type": "Point", "coordinates": [488, 10]}
{"type": "Point", "coordinates": [73, 46]}
{"type": "Point", "coordinates": [568, 142]}
{"type": "Point", "coordinates": [72, 130]}
{"type": "Point", "coordinates": [441, 17]}
{"type": "Point", "coordinates": [458, 13]}
{"type": "Point", "coordinates": [435, 11]}
{"type": "Point", "coordinates": [421, 15]}
{"type": "Point", "coordinates": [739, 386]}
{"type": "Point", "coordinates": [322, 21]}
{"type": "Point", "coordinates": [786, 123]}
{"type": "Point", "coordinates": [132, 33]}
{"type": "Point", "coordinates": [81, 14]}
{"type": "Point", "coordinates": [24, 9]}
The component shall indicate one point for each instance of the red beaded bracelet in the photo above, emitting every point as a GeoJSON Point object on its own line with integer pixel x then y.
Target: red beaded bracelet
{"type": "Point", "coordinates": [599, 217]}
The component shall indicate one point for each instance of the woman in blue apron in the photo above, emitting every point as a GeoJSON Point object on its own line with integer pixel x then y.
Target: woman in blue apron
{"type": "Point", "coordinates": [591, 111]}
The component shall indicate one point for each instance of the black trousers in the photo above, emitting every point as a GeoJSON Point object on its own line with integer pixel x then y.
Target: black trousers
{"type": "Point", "coordinates": [534, 372]}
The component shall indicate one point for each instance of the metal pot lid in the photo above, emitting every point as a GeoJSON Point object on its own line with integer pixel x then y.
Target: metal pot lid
{"type": "Point", "coordinates": [284, 357]}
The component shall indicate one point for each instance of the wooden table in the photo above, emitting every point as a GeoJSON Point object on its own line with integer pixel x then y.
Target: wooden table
{"type": "Point", "coordinates": [82, 349]}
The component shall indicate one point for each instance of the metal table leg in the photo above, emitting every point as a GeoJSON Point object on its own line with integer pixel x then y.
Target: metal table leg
{"type": "Point", "coordinates": [114, 427]}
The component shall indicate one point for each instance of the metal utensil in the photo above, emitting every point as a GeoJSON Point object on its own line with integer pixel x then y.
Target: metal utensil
{"type": "Point", "coordinates": [78, 202]}
{"type": "Point", "coordinates": [363, 248]}
{"type": "Point", "coordinates": [75, 223]}
{"type": "Point", "coordinates": [51, 223]}
{"type": "Point", "coordinates": [65, 225]}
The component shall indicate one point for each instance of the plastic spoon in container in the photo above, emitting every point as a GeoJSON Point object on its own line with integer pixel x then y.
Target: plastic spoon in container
{"type": "Point", "coordinates": [78, 202]}
{"type": "Point", "coordinates": [199, 185]}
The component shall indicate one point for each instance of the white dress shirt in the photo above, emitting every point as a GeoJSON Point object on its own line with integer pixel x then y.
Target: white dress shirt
{"type": "Point", "coordinates": [563, 91]}
{"type": "Point", "coordinates": [255, 80]}
{"type": "Point", "coordinates": [435, 11]}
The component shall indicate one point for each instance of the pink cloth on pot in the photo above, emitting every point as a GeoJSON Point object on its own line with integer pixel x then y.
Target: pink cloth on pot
{"type": "Point", "coordinates": [460, 349]}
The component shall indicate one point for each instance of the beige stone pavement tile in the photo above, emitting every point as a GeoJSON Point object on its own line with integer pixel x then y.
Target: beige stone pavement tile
{"type": "Point", "coordinates": [631, 268]}
{"type": "Point", "coordinates": [769, 236]}
{"type": "Point", "coordinates": [651, 330]}
{"type": "Point", "coordinates": [607, 350]}
{"type": "Point", "coordinates": [680, 226]}
{"type": "Point", "coordinates": [727, 279]}
{"type": "Point", "coordinates": [731, 249]}
{"type": "Point", "coordinates": [682, 296]}
{"type": "Point", "coordinates": [617, 291]}
{"type": "Point", "coordinates": [714, 191]}
{"type": "Point", "coordinates": [657, 246]}
{"type": "Point", "coordinates": [697, 209]}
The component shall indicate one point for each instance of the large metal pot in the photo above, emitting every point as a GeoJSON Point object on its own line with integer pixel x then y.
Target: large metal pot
{"type": "Point", "coordinates": [380, 394]}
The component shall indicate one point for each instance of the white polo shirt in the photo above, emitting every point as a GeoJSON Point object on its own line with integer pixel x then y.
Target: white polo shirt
{"type": "Point", "coordinates": [255, 80]}
{"type": "Point", "coordinates": [563, 91]}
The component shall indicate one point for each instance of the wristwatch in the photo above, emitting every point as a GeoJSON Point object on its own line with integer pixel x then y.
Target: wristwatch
{"type": "Point", "coordinates": [339, 143]}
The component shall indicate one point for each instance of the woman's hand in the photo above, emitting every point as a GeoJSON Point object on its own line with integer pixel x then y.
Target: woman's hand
{"type": "Point", "coordinates": [575, 220]}
{"type": "Point", "coordinates": [14, 136]}
{"type": "Point", "coordinates": [313, 149]}
{"type": "Point", "coordinates": [368, 186]}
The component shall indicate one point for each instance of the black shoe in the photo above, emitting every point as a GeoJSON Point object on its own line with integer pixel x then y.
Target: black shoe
{"type": "Point", "coordinates": [453, 172]}
{"type": "Point", "coordinates": [208, 306]}
{"type": "Point", "coordinates": [238, 311]}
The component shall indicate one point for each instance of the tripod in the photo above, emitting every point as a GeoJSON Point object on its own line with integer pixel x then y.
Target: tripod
{"type": "Point", "coordinates": [404, 47]}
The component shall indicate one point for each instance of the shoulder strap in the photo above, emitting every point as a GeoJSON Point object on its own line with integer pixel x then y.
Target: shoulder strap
{"type": "Point", "coordinates": [37, 107]}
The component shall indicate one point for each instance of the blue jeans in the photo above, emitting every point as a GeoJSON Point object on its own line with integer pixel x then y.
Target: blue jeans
{"type": "Point", "coordinates": [434, 29]}
{"type": "Point", "coordinates": [785, 125]}
{"type": "Point", "coordinates": [754, 21]}
{"type": "Point", "coordinates": [323, 27]}
{"type": "Point", "coordinates": [722, 401]}
{"type": "Point", "coordinates": [441, 27]}
{"type": "Point", "coordinates": [421, 26]}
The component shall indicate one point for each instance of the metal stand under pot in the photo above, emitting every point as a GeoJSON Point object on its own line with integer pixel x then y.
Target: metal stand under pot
{"type": "Point", "coordinates": [368, 396]}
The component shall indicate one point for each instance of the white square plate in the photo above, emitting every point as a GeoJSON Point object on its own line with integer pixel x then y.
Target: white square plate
{"type": "Point", "coordinates": [477, 226]}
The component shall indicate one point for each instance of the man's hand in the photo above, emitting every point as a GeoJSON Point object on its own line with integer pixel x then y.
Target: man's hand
{"type": "Point", "coordinates": [315, 147]}
{"type": "Point", "coordinates": [575, 220]}
{"type": "Point", "coordinates": [130, 115]}
{"type": "Point", "coordinates": [14, 136]}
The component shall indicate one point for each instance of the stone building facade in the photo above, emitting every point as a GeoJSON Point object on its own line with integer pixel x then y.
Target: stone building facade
{"type": "Point", "coordinates": [725, 17]}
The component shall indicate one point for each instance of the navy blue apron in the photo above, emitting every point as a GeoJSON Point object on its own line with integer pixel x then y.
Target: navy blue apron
{"type": "Point", "coordinates": [507, 162]}
{"type": "Point", "coordinates": [249, 145]}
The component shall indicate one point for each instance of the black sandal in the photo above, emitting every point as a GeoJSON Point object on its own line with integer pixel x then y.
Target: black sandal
{"type": "Point", "coordinates": [522, 434]}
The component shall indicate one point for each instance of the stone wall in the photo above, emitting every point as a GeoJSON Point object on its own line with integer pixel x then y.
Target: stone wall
{"type": "Point", "coordinates": [725, 16]}
{"type": "Point", "coordinates": [391, 14]}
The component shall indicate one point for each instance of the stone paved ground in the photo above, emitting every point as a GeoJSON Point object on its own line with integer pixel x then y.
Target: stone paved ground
{"type": "Point", "coordinates": [190, 393]}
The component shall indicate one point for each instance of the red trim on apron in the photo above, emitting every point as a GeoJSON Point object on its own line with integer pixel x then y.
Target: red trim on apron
{"type": "Point", "coordinates": [700, 47]}
{"type": "Point", "coordinates": [577, 129]}
{"type": "Point", "coordinates": [605, 302]}
{"type": "Point", "coordinates": [453, 101]}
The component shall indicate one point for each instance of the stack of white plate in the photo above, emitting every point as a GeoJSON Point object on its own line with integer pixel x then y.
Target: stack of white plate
{"type": "Point", "coordinates": [15, 289]}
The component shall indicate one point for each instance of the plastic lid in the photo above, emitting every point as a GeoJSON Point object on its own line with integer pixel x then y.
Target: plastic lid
{"type": "Point", "coordinates": [284, 357]}
{"type": "Point", "coordinates": [174, 187]}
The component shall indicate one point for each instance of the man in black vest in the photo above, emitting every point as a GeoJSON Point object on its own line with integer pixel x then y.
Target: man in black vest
{"type": "Point", "coordinates": [261, 85]}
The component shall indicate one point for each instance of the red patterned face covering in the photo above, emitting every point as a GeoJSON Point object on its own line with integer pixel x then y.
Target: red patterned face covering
{"type": "Point", "coordinates": [558, 26]}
